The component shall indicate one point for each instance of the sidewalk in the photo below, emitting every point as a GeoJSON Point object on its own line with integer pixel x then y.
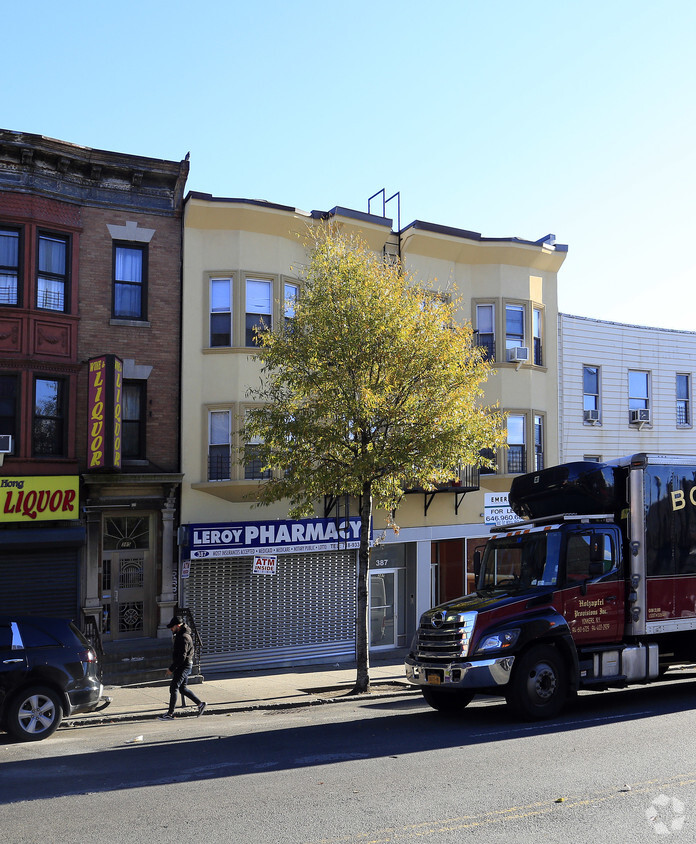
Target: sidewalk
{"type": "Point", "coordinates": [249, 690]}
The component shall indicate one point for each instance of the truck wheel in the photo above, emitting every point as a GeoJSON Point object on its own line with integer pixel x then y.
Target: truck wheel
{"type": "Point", "coordinates": [446, 700]}
{"type": "Point", "coordinates": [539, 684]}
{"type": "Point", "coordinates": [34, 714]}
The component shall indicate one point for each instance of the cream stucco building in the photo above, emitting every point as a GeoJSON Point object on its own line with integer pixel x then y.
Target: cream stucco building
{"type": "Point", "coordinates": [264, 590]}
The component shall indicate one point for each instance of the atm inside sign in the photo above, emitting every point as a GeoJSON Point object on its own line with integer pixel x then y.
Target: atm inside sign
{"type": "Point", "coordinates": [265, 565]}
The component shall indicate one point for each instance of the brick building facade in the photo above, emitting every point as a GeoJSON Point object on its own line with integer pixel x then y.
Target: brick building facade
{"type": "Point", "coordinates": [90, 267]}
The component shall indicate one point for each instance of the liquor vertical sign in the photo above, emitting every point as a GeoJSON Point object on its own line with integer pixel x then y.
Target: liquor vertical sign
{"type": "Point", "coordinates": [105, 401]}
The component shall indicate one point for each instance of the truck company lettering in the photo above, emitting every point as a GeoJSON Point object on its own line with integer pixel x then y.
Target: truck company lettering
{"type": "Point", "coordinates": [38, 498]}
{"type": "Point", "coordinates": [678, 498]}
{"type": "Point", "coordinates": [279, 536]}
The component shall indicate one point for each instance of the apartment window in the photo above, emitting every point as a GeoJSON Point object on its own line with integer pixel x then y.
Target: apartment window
{"type": "Point", "coordinates": [51, 285]}
{"type": "Point", "coordinates": [9, 267]}
{"type": "Point", "coordinates": [291, 293]}
{"type": "Point", "coordinates": [219, 445]}
{"type": "Point", "coordinates": [48, 435]}
{"type": "Point", "coordinates": [537, 327]}
{"type": "Point", "coordinates": [133, 420]}
{"type": "Point", "coordinates": [258, 308]}
{"type": "Point", "coordinates": [683, 399]}
{"type": "Point", "coordinates": [488, 454]}
{"type": "Point", "coordinates": [253, 466]}
{"type": "Point", "coordinates": [592, 458]}
{"type": "Point", "coordinates": [590, 393]}
{"type": "Point", "coordinates": [485, 329]}
{"type": "Point", "coordinates": [220, 312]}
{"type": "Point", "coordinates": [9, 393]}
{"type": "Point", "coordinates": [638, 395]}
{"type": "Point", "coordinates": [516, 462]}
{"type": "Point", "coordinates": [130, 281]}
{"type": "Point", "coordinates": [514, 326]}
{"type": "Point", "coordinates": [538, 443]}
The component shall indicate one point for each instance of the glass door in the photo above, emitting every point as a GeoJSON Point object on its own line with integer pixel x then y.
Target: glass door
{"type": "Point", "coordinates": [383, 592]}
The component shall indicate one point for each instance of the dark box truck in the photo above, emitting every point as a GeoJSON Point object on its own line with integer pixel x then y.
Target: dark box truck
{"type": "Point", "coordinates": [595, 589]}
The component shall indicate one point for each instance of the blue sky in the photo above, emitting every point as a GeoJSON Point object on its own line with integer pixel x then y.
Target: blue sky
{"type": "Point", "coordinates": [506, 118]}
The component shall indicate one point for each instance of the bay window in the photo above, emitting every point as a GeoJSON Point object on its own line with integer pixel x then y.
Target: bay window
{"type": "Point", "coordinates": [220, 312]}
{"type": "Point", "coordinates": [48, 430]}
{"type": "Point", "coordinates": [259, 303]}
{"type": "Point", "coordinates": [516, 458]}
{"type": "Point", "coordinates": [9, 267]}
{"type": "Point", "coordinates": [52, 279]}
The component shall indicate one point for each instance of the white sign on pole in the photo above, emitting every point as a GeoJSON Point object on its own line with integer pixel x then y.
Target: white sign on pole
{"type": "Point", "coordinates": [497, 510]}
{"type": "Point", "coordinates": [265, 565]}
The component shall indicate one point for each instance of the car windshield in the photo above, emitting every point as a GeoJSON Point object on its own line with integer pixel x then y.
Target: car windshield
{"type": "Point", "coordinates": [521, 562]}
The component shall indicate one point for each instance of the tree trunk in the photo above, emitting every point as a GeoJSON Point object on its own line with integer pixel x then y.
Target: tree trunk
{"type": "Point", "coordinates": [362, 653]}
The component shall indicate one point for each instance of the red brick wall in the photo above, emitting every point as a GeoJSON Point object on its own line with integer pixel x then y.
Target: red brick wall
{"type": "Point", "coordinates": [154, 343]}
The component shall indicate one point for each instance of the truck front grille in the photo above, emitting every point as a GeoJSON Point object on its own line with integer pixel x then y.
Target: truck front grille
{"type": "Point", "coordinates": [443, 636]}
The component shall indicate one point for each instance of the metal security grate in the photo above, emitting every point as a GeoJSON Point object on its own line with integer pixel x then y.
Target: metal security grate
{"type": "Point", "coordinates": [307, 608]}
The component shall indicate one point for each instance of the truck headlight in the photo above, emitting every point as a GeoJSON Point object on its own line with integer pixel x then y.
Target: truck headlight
{"type": "Point", "coordinates": [500, 641]}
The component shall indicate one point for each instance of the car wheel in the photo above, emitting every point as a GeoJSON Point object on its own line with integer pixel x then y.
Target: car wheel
{"type": "Point", "coordinates": [447, 700]}
{"type": "Point", "coordinates": [539, 684]}
{"type": "Point", "coordinates": [34, 714]}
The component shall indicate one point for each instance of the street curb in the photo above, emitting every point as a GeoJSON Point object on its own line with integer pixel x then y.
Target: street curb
{"type": "Point", "coordinates": [227, 709]}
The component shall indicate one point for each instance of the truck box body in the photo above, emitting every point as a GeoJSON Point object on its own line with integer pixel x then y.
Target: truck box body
{"type": "Point", "coordinates": [596, 589]}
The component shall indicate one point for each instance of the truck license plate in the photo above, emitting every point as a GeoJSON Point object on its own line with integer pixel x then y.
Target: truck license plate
{"type": "Point", "coordinates": [434, 679]}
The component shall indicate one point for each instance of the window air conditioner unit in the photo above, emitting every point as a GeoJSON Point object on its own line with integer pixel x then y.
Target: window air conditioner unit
{"type": "Point", "coordinates": [641, 416]}
{"type": "Point", "coordinates": [5, 443]}
{"type": "Point", "coordinates": [520, 354]}
{"type": "Point", "coordinates": [591, 415]}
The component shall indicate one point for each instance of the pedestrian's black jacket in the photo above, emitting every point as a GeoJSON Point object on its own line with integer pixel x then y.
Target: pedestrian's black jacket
{"type": "Point", "coordinates": [182, 652]}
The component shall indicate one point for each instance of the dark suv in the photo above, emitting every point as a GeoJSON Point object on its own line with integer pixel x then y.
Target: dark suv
{"type": "Point", "coordinates": [48, 670]}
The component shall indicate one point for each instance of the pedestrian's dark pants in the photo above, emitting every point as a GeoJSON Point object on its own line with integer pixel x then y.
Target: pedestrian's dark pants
{"type": "Point", "coordinates": [178, 685]}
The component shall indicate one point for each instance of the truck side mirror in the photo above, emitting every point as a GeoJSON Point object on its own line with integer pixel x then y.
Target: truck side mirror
{"type": "Point", "coordinates": [596, 568]}
{"type": "Point", "coordinates": [477, 563]}
{"type": "Point", "coordinates": [597, 548]}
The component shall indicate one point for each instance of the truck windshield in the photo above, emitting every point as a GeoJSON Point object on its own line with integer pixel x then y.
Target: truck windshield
{"type": "Point", "coordinates": [521, 562]}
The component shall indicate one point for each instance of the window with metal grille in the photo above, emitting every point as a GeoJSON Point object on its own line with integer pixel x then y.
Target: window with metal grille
{"type": "Point", "coordinates": [516, 460]}
{"type": "Point", "coordinates": [53, 272]}
{"type": "Point", "coordinates": [683, 399]}
{"type": "Point", "coordinates": [9, 267]}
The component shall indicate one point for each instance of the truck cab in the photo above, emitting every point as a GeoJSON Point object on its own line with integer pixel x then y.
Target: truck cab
{"type": "Point", "coordinates": [543, 592]}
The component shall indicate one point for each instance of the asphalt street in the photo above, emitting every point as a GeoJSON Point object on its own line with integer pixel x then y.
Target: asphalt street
{"type": "Point", "coordinates": [616, 767]}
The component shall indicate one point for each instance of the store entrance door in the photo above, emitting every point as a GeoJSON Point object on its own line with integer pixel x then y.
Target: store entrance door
{"type": "Point", "coordinates": [383, 591]}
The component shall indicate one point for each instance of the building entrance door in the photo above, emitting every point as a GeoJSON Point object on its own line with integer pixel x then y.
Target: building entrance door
{"type": "Point", "coordinates": [124, 602]}
{"type": "Point", "coordinates": [383, 592]}
{"type": "Point", "coordinates": [127, 578]}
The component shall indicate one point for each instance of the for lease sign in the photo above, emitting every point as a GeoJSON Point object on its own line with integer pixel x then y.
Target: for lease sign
{"type": "Point", "coordinates": [497, 510]}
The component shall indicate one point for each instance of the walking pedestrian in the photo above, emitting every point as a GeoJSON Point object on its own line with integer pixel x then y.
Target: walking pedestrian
{"type": "Point", "coordinates": [182, 663]}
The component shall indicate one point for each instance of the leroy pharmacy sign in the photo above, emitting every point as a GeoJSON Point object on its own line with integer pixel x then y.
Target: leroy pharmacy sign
{"type": "Point", "coordinates": [241, 539]}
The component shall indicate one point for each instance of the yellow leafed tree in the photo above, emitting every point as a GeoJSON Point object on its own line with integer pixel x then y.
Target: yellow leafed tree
{"type": "Point", "coordinates": [373, 387]}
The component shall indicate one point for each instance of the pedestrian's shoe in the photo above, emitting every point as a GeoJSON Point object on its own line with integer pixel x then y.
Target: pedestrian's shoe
{"type": "Point", "coordinates": [201, 708]}
{"type": "Point", "coordinates": [166, 717]}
